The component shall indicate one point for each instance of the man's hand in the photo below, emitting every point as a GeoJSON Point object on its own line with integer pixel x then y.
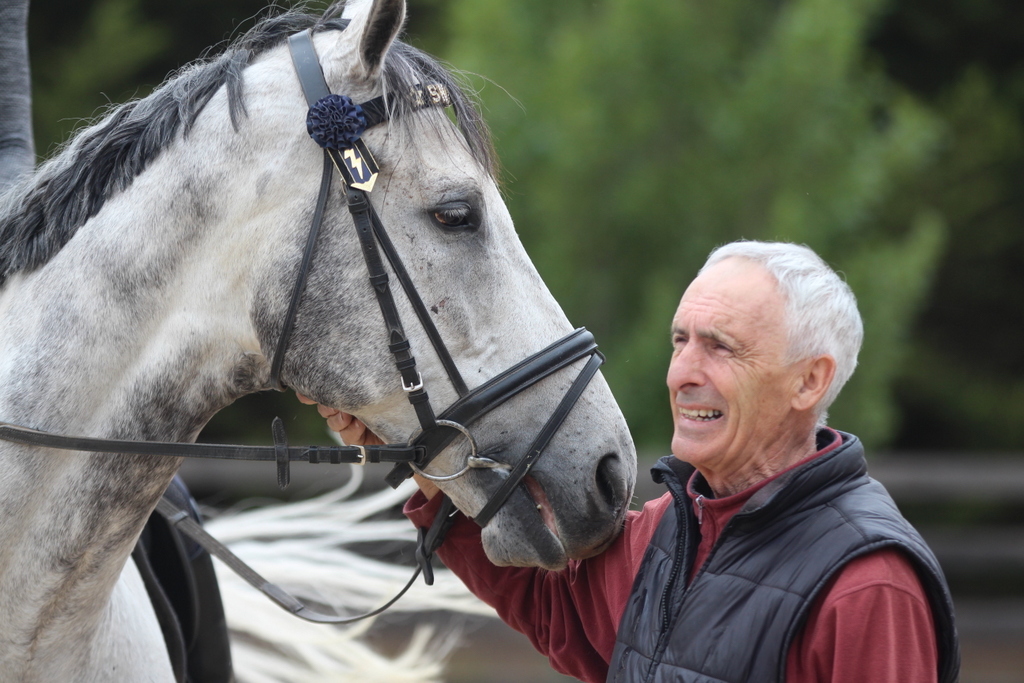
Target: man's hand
{"type": "Point", "coordinates": [351, 430]}
{"type": "Point", "coordinates": [354, 433]}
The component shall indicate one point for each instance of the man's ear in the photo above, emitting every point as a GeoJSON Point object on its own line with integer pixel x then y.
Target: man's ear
{"type": "Point", "coordinates": [814, 381]}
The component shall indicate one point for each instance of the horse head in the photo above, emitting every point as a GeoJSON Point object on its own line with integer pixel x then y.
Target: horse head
{"type": "Point", "coordinates": [437, 197]}
{"type": "Point", "coordinates": [185, 215]}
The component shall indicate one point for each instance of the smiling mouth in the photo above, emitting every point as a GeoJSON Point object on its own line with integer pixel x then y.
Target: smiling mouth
{"type": "Point", "coordinates": [701, 415]}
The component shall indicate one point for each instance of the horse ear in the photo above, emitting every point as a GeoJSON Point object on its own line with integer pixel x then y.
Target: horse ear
{"type": "Point", "coordinates": [378, 28]}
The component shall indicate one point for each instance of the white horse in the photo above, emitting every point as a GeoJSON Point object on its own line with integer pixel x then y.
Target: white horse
{"type": "Point", "coordinates": [145, 275]}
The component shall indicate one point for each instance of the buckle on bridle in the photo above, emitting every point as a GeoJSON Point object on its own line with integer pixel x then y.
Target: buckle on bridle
{"type": "Point", "coordinates": [362, 454]}
{"type": "Point", "coordinates": [409, 388]}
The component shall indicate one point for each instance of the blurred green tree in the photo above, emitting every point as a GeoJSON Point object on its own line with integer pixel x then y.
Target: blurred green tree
{"type": "Point", "coordinates": [73, 80]}
{"type": "Point", "coordinates": [963, 384]}
{"type": "Point", "coordinates": [639, 134]}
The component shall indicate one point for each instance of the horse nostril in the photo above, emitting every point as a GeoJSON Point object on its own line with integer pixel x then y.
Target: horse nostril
{"type": "Point", "coordinates": [608, 477]}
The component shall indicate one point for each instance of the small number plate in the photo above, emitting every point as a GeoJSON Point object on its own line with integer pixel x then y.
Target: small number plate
{"type": "Point", "coordinates": [356, 165]}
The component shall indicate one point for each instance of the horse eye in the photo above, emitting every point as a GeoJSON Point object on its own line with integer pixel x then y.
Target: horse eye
{"type": "Point", "coordinates": [455, 217]}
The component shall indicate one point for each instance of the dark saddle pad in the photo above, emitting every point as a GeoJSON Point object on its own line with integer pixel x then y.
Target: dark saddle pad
{"type": "Point", "coordinates": [182, 586]}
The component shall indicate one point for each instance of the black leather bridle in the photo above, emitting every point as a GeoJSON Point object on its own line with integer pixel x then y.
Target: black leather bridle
{"type": "Point", "coordinates": [436, 431]}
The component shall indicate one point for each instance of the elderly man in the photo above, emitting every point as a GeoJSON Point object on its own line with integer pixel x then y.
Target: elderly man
{"type": "Point", "coordinates": [773, 556]}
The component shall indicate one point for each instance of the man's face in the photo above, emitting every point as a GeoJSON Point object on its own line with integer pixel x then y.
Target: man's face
{"type": "Point", "coordinates": [729, 384]}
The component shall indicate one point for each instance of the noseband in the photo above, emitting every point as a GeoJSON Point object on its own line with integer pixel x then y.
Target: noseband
{"type": "Point", "coordinates": [437, 431]}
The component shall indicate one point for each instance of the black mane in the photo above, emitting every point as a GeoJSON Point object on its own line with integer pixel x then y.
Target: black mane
{"type": "Point", "coordinates": [39, 216]}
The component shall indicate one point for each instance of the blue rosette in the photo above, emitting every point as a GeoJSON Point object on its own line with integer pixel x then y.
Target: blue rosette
{"type": "Point", "coordinates": [335, 122]}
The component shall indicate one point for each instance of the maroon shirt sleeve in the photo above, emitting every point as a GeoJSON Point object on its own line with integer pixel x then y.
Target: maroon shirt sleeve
{"type": "Point", "coordinates": [571, 615]}
{"type": "Point", "coordinates": [872, 623]}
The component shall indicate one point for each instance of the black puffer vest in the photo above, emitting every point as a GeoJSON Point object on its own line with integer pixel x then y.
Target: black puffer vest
{"type": "Point", "coordinates": [735, 622]}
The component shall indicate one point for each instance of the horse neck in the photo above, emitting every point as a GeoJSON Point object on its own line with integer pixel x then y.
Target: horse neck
{"type": "Point", "coordinates": [137, 326]}
{"type": "Point", "coordinates": [119, 335]}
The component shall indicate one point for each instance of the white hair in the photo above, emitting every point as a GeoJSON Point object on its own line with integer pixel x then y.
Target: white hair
{"type": "Point", "coordinates": [821, 310]}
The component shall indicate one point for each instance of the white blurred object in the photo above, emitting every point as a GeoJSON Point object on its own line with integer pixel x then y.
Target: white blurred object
{"type": "Point", "coordinates": [303, 548]}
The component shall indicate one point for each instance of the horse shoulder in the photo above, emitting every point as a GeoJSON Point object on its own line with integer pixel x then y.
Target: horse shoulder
{"type": "Point", "coordinates": [129, 645]}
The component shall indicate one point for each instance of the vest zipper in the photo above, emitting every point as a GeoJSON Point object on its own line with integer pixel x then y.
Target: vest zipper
{"type": "Point", "coordinates": [677, 565]}
{"type": "Point", "coordinates": [678, 561]}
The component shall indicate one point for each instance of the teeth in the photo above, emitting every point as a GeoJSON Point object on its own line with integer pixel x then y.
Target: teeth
{"type": "Point", "coordinates": [701, 414]}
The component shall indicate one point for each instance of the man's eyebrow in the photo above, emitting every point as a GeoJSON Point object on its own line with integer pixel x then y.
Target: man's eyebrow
{"type": "Point", "coordinates": [713, 335]}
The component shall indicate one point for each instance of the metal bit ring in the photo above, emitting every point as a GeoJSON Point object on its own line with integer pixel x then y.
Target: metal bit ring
{"type": "Point", "coordinates": [469, 460]}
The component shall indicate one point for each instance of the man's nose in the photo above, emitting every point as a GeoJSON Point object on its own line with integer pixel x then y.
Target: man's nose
{"type": "Point", "coordinates": [686, 368]}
